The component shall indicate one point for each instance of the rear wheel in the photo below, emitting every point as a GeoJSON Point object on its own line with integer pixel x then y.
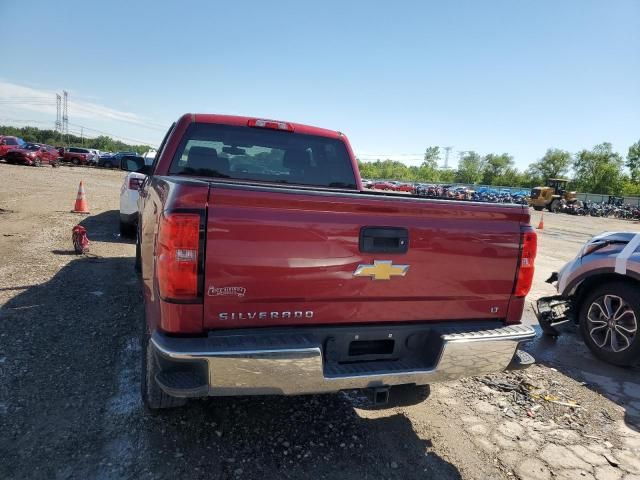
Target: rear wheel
{"type": "Point", "coordinates": [609, 318]}
{"type": "Point", "coordinates": [107, 165]}
{"type": "Point", "coordinates": [138, 264]}
{"type": "Point", "coordinates": [75, 161]}
{"type": "Point", "coordinates": [153, 397]}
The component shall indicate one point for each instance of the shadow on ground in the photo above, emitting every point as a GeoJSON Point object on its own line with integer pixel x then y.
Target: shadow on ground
{"type": "Point", "coordinates": [104, 227]}
{"type": "Point", "coordinates": [70, 407]}
{"type": "Point", "coordinates": [569, 355]}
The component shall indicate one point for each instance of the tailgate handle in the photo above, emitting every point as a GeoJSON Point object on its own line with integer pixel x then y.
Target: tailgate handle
{"type": "Point", "coordinates": [384, 240]}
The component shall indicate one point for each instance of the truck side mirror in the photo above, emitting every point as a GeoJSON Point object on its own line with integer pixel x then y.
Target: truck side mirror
{"type": "Point", "coordinates": [131, 164]}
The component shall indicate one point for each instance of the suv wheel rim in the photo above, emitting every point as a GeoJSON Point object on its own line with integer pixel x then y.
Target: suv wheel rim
{"type": "Point", "coordinates": [612, 323]}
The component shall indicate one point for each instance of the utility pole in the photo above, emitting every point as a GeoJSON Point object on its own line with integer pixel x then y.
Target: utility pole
{"type": "Point", "coordinates": [59, 114]}
{"type": "Point", "coordinates": [65, 115]}
{"type": "Point", "coordinates": [446, 157]}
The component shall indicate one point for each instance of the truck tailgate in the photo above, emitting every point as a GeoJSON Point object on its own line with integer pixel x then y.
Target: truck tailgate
{"type": "Point", "coordinates": [292, 256]}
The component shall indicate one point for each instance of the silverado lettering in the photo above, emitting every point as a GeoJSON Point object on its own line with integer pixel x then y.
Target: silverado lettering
{"type": "Point", "coordinates": [279, 208]}
{"type": "Point", "coordinates": [264, 315]}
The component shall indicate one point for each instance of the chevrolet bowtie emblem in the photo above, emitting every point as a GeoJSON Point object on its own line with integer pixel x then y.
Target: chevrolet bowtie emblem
{"type": "Point", "coordinates": [381, 270]}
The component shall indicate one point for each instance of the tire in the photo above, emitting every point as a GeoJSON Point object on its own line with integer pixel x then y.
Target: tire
{"type": "Point", "coordinates": [538, 209]}
{"type": "Point", "coordinates": [554, 206]}
{"type": "Point", "coordinates": [624, 348]}
{"type": "Point", "coordinates": [153, 397]}
{"type": "Point", "coordinates": [37, 162]}
{"type": "Point", "coordinates": [138, 264]}
{"type": "Point", "coordinates": [107, 165]}
{"type": "Point", "coordinates": [126, 230]}
{"type": "Point", "coordinates": [75, 161]}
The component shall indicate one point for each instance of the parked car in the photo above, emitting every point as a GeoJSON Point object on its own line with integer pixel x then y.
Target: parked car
{"type": "Point", "coordinates": [405, 187]}
{"type": "Point", "coordinates": [383, 185]}
{"type": "Point", "coordinates": [96, 156]}
{"type": "Point", "coordinates": [598, 290]}
{"type": "Point", "coordinates": [8, 142]}
{"type": "Point", "coordinates": [77, 155]}
{"type": "Point", "coordinates": [293, 280]}
{"type": "Point", "coordinates": [108, 161]}
{"type": "Point", "coordinates": [129, 192]}
{"type": "Point", "coordinates": [113, 160]}
{"type": "Point", "coordinates": [35, 154]}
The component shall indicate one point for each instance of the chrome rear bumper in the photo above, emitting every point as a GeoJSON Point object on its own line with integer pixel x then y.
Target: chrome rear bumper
{"type": "Point", "coordinates": [294, 364]}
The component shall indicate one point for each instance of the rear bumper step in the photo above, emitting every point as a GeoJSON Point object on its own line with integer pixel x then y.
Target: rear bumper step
{"type": "Point", "coordinates": [295, 363]}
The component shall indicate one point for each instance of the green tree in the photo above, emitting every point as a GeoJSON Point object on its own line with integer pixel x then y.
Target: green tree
{"type": "Point", "coordinates": [470, 168]}
{"type": "Point", "coordinates": [630, 188]}
{"type": "Point", "coordinates": [633, 161]}
{"type": "Point", "coordinates": [495, 166]}
{"type": "Point", "coordinates": [51, 137]}
{"type": "Point", "coordinates": [554, 164]}
{"type": "Point", "coordinates": [446, 175]}
{"type": "Point", "coordinates": [431, 157]}
{"type": "Point", "coordinates": [511, 177]}
{"type": "Point", "coordinates": [599, 170]}
{"type": "Point", "coordinates": [429, 169]}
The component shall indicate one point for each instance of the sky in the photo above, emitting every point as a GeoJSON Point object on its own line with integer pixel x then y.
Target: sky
{"type": "Point", "coordinates": [395, 77]}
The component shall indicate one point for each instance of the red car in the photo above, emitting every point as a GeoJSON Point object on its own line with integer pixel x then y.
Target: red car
{"type": "Point", "coordinates": [405, 187]}
{"type": "Point", "coordinates": [77, 155]}
{"type": "Point", "coordinates": [381, 185]}
{"type": "Point", "coordinates": [9, 143]}
{"type": "Point", "coordinates": [278, 274]}
{"type": "Point", "coordinates": [35, 154]}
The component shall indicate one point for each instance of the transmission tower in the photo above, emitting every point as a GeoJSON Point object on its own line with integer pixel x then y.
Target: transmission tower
{"type": "Point", "coordinates": [446, 157]}
{"type": "Point", "coordinates": [65, 114]}
{"type": "Point", "coordinates": [58, 113]}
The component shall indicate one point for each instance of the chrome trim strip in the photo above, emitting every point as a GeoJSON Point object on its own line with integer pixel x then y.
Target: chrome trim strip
{"type": "Point", "coordinates": [292, 371]}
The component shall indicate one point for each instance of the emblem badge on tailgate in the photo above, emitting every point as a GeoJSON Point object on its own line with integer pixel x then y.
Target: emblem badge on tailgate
{"type": "Point", "coordinates": [381, 270]}
{"type": "Point", "coordinates": [226, 291]}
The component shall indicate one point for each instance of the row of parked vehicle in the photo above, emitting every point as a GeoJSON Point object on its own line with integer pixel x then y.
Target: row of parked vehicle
{"type": "Point", "coordinates": [16, 150]}
{"type": "Point", "coordinates": [622, 211]}
{"type": "Point", "coordinates": [482, 194]}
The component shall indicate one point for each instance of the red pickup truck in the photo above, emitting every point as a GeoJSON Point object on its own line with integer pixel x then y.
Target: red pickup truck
{"type": "Point", "coordinates": [78, 156]}
{"type": "Point", "coordinates": [267, 269]}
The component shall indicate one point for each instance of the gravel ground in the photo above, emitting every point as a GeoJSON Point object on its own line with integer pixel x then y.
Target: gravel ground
{"type": "Point", "coordinates": [70, 366]}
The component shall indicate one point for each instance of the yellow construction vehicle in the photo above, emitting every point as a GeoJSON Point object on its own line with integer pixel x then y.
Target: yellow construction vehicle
{"type": "Point", "coordinates": [552, 196]}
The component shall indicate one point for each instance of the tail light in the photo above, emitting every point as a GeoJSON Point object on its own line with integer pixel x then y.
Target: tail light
{"type": "Point", "coordinates": [178, 256]}
{"type": "Point", "coordinates": [272, 124]}
{"type": "Point", "coordinates": [135, 183]}
{"type": "Point", "coordinates": [529, 248]}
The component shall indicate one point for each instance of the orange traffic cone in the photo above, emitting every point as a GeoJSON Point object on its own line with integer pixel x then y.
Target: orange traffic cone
{"type": "Point", "coordinates": [541, 224]}
{"type": "Point", "coordinates": [81, 201]}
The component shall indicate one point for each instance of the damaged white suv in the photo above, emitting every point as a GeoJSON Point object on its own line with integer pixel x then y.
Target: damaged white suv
{"type": "Point", "coordinates": [600, 291]}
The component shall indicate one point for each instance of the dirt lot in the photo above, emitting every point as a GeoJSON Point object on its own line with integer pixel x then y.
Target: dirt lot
{"type": "Point", "coordinates": [69, 368]}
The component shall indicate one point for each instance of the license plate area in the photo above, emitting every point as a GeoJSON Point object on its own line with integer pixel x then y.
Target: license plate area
{"type": "Point", "coordinates": [371, 347]}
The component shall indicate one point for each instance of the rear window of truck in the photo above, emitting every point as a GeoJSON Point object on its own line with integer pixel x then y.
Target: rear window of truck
{"type": "Point", "coordinates": [263, 155]}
